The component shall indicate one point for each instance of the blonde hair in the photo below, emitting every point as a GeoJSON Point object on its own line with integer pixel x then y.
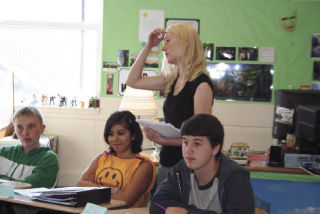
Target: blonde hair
{"type": "Point", "coordinates": [190, 55]}
{"type": "Point", "coordinates": [28, 111]}
{"type": "Point", "coordinates": [170, 72]}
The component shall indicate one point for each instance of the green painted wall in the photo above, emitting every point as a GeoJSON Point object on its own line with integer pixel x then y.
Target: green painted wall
{"type": "Point", "coordinates": [236, 23]}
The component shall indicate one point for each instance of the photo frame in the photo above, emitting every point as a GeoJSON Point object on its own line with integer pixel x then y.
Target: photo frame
{"type": "Point", "coordinates": [316, 70]}
{"type": "Point", "coordinates": [195, 23]}
{"type": "Point", "coordinates": [208, 50]}
{"type": "Point", "coordinates": [109, 84]}
{"type": "Point", "coordinates": [123, 58]}
{"type": "Point", "coordinates": [123, 76]}
{"type": "Point", "coordinates": [248, 54]}
{"type": "Point", "coordinates": [315, 46]}
{"type": "Point", "coordinates": [225, 53]}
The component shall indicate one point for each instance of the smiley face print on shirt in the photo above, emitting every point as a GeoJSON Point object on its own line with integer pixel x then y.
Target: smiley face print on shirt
{"type": "Point", "coordinates": [111, 177]}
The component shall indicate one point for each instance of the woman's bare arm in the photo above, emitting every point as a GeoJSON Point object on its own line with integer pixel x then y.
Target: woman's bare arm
{"type": "Point", "coordinates": [135, 78]}
{"type": "Point", "coordinates": [203, 99]}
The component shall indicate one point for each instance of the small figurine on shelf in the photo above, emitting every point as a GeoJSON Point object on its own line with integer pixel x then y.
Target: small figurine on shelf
{"type": "Point", "coordinates": [34, 100]}
{"type": "Point", "coordinates": [97, 103]}
{"type": "Point", "coordinates": [94, 102]}
{"type": "Point", "coordinates": [82, 104]}
{"type": "Point", "coordinates": [44, 100]}
{"type": "Point", "coordinates": [51, 101]}
{"type": "Point", "coordinates": [288, 145]}
{"type": "Point", "coordinates": [74, 102]}
{"type": "Point", "coordinates": [91, 102]}
{"type": "Point", "coordinates": [63, 100]}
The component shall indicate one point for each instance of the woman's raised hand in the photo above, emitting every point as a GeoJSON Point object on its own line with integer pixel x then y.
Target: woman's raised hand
{"type": "Point", "coordinates": [156, 36]}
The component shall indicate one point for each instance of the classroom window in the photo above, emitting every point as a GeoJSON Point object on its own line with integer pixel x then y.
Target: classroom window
{"type": "Point", "coordinates": [52, 46]}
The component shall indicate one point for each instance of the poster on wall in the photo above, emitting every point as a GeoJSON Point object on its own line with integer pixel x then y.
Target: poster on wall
{"type": "Point", "coordinates": [123, 76]}
{"type": "Point", "coordinates": [266, 54]}
{"type": "Point", "coordinates": [149, 20]}
{"type": "Point", "coordinates": [315, 46]}
{"type": "Point", "coordinates": [109, 84]}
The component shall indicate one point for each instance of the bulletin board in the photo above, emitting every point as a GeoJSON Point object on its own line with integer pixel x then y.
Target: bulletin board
{"type": "Point", "coordinates": [225, 24]}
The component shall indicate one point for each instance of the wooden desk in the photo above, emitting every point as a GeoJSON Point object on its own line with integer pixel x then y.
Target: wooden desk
{"type": "Point", "coordinates": [142, 210]}
{"type": "Point", "coordinates": [148, 153]}
{"type": "Point", "coordinates": [15, 184]}
{"type": "Point", "coordinates": [22, 200]}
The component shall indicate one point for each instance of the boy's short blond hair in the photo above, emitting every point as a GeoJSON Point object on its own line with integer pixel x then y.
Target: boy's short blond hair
{"type": "Point", "coordinates": [28, 111]}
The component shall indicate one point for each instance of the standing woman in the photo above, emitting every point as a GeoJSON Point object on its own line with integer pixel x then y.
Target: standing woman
{"type": "Point", "coordinates": [188, 86]}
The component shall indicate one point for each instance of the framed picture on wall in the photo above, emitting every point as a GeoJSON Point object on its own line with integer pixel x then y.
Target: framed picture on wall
{"type": "Point", "coordinates": [225, 53]}
{"type": "Point", "coordinates": [195, 23]}
{"type": "Point", "coordinates": [248, 54]}
{"type": "Point", "coordinates": [123, 58]}
{"type": "Point", "coordinates": [123, 75]}
{"type": "Point", "coordinates": [315, 46]}
{"type": "Point", "coordinates": [316, 70]}
{"type": "Point", "coordinates": [208, 50]}
{"type": "Point", "coordinates": [109, 84]}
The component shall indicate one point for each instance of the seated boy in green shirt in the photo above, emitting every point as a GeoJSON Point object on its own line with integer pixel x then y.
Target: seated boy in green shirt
{"type": "Point", "coordinates": [29, 162]}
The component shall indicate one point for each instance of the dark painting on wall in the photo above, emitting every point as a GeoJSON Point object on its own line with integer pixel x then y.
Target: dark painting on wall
{"type": "Point", "coordinates": [316, 70]}
{"type": "Point", "coordinates": [315, 46]}
{"type": "Point", "coordinates": [242, 82]}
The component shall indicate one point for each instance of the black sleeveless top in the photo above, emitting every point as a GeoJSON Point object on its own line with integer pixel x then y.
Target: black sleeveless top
{"type": "Point", "coordinates": [177, 109]}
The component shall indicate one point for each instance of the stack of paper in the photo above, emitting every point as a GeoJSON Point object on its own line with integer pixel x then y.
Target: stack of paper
{"type": "Point", "coordinates": [166, 130]}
